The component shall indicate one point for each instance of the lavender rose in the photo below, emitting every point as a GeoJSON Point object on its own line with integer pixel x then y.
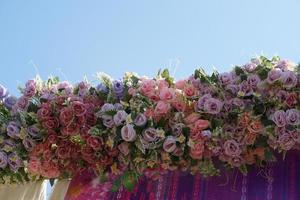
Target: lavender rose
{"type": "Point", "coordinates": [140, 120]}
{"type": "Point", "coordinates": [108, 121]}
{"type": "Point", "coordinates": [30, 88]}
{"type": "Point", "coordinates": [250, 67]}
{"type": "Point", "coordinates": [150, 134]}
{"type": "Point", "coordinates": [128, 133]}
{"type": "Point", "coordinates": [13, 130]}
{"type": "Point", "coordinates": [232, 148]}
{"type": "Point", "coordinates": [120, 117]}
{"type": "Point", "coordinates": [10, 101]}
{"type": "Point", "coordinates": [118, 88]}
{"type": "Point", "coordinates": [3, 92]}
{"type": "Point", "coordinates": [102, 88]}
{"type": "Point", "coordinates": [169, 144]}
{"type": "Point", "coordinates": [107, 107]}
{"type": "Point", "coordinates": [34, 131]}
{"type": "Point", "coordinates": [274, 75]}
{"type": "Point", "coordinates": [289, 79]}
{"type": "Point", "coordinates": [3, 160]}
{"type": "Point", "coordinates": [226, 78]}
{"type": "Point", "coordinates": [245, 89]}
{"type": "Point", "coordinates": [285, 141]}
{"type": "Point", "coordinates": [279, 118]}
{"type": "Point", "coordinates": [14, 161]}
{"type": "Point", "coordinates": [213, 106]}
{"type": "Point", "coordinates": [293, 117]}
{"type": "Point", "coordinates": [202, 100]}
{"type": "Point", "coordinates": [28, 143]}
{"type": "Point", "coordinates": [253, 80]}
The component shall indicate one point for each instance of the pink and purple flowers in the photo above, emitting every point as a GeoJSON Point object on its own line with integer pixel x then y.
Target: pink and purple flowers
{"type": "Point", "coordinates": [137, 124]}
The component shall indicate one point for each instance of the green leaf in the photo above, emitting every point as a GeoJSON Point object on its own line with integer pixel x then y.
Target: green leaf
{"type": "Point", "coordinates": [116, 185]}
{"type": "Point", "coordinates": [238, 71]}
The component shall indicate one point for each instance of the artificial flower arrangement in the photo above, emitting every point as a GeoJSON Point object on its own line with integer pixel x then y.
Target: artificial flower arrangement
{"type": "Point", "coordinates": [137, 126]}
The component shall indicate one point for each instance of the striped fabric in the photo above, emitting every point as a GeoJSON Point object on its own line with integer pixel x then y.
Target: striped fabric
{"type": "Point", "coordinates": [280, 181]}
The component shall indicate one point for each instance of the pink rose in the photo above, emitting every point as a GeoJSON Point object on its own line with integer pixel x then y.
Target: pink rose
{"type": "Point", "coordinates": [189, 91]}
{"type": "Point", "coordinates": [169, 144]}
{"type": "Point", "coordinates": [132, 91]}
{"type": "Point", "coordinates": [192, 118]}
{"type": "Point", "coordinates": [71, 129]}
{"type": "Point", "coordinates": [124, 148]}
{"type": "Point", "coordinates": [91, 118]}
{"type": "Point", "coordinates": [79, 108]}
{"type": "Point", "coordinates": [147, 86]}
{"type": "Point", "coordinates": [44, 112]}
{"type": "Point", "coordinates": [128, 133]}
{"type": "Point", "coordinates": [63, 152]}
{"type": "Point", "coordinates": [166, 94]}
{"type": "Point", "coordinates": [162, 108]}
{"type": "Point", "coordinates": [291, 100]}
{"type": "Point", "coordinates": [197, 151]}
{"type": "Point", "coordinates": [34, 165]}
{"type": "Point", "coordinates": [162, 83]}
{"type": "Point", "coordinates": [52, 139]}
{"type": "Point", "coordinates": [200, 125]}
{"type": "Point", "coordinates": [179, 105]}
{"type": "Point", "coordinates": [180, 84]}
{"type": "Point", "coordinates": [66, 116]}
{"type": "Point", "coordinates": [49, 170]}
{"type": "Point", "coordinates": [50, 123]}
{"type": "Point", "coordinates": [95, 142]}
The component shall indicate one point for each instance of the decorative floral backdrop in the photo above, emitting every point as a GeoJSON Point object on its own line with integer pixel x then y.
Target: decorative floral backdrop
{"type": "Point", "coordinates": [124, 129]}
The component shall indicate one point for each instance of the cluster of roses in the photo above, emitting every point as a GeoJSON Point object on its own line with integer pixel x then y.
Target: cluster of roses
{"type": "Point", "coordinates": [139, 124]}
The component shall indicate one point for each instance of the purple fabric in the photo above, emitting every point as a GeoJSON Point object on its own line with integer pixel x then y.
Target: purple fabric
{"type": "Point", "coordinates": [280, 181]}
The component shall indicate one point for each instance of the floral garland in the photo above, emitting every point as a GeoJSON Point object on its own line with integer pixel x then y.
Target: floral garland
{"type": "Point", "coordinates": [142, 126]}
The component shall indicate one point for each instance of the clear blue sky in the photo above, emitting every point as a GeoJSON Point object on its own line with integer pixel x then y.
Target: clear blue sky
{"type": "Point", "coordinates": [84, 37]}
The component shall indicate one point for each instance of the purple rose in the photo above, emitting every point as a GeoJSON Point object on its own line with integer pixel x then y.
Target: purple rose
{"type": "Point", "coordinates": [232, 148]}
{"type": "Point", "coordinates": [28, 143]}
{"type": "Point", "coordinates": [289, 79]}
{"type": "Point", "coordinates": [169, 144]}
{"type": "Point", "coordinates": [108, 121]}
{"type": "Point", "coordinates": [3, 160]}
{"type": "Point", "coordinates": [283, 64]}
{"type": "Point", "coordinates": [120, 117]}
{"type": "Point", "coordinates": [246, 88]}
{"type": "Point", "coordinates": [22, 103]}
{"type": "Point", "coordinates": [13, 130]}
{"type": "Point", "coordinates": [8, 145]}
{"type": "Point", "coordinates": [107, 107]}
{"type": "Point", "coordinates": [202, 100]}
{"type": "Point", "coordinates": [285, 141]}
{"type": "Point", "coordinates": [34, 131]}
{"type": "Point", "coordinates": [253, 80]}
{"type": "Point", "coordinates": [3, 92]}
{"type": "Point", "coordinates": [30, 88]}
{"type": "Point", "coordinates": [206, 133]}
{"type": "Point", "coordinates": [101, 87]}
{"type": "Point", "coordinates": [250, 67]}
{"type": "Point", "coordinates": [226, 78]}
{"type": "Point", "coordinates": [213, 106]}
{"type": "Point", "coordinates": [128, 133]}
{"type": "Point", "coordinates": [10, 101]}
{"type": "Point", "coordinates": [48, 96]}
{"type": "Point", "coordinates": [65, 86]}
{"type": "Point", "coordinates": [118, 88]}
{"type": "Point", "coordinates": [233, 89]}
{"type": "Point", "coordinates": [150, 134]}
{"type": "Point", "coordinates": [279, 118]}
{"type": "Point", "coordinates": [140, 120]}
{"type": "Point", "coordinates": [14, 161]}
{"type": "Point", "coordinates": [118, 106]}
{"type": "Point", "coordinates": [274, 75]}
{"type": "Point", "coordinates": [293, 117]}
